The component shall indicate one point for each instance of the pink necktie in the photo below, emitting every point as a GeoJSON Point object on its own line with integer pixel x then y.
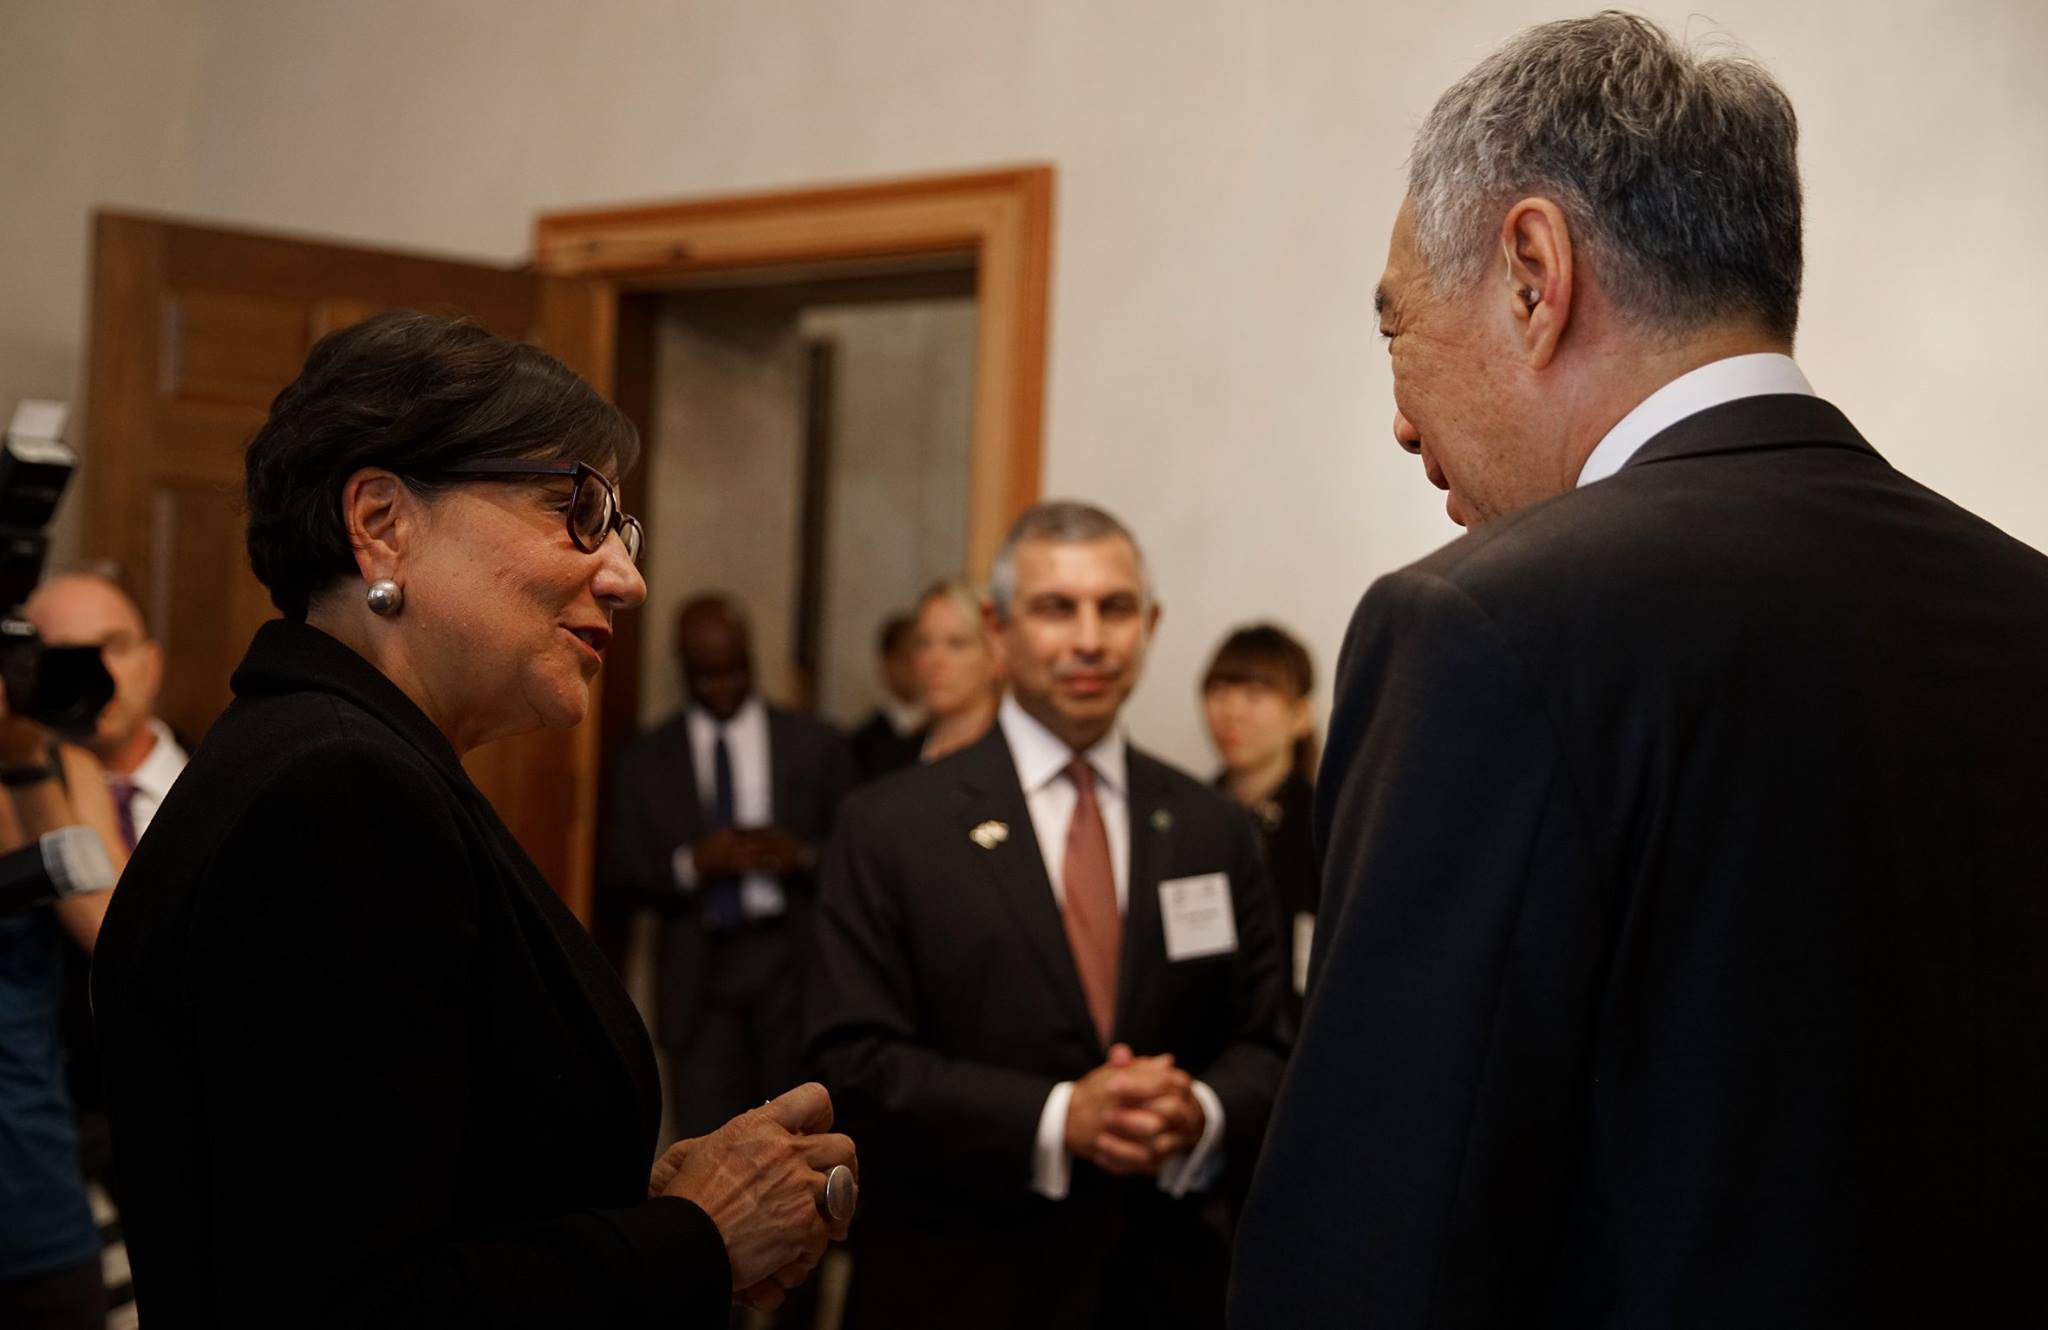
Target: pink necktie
{"type": "Point", "coordinates": [124, 811]}
{"type": "Point", "coordinates": [1094, 929]}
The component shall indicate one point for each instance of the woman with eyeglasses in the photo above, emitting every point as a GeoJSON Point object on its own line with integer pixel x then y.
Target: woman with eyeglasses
{"type": "Point", "coordinates": [364, 1068]}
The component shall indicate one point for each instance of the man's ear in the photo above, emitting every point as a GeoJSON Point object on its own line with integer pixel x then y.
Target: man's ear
{"type": "Point", "coordinates": [380, 514]}
{"type": "Point", "coordinates": [1541, 279]}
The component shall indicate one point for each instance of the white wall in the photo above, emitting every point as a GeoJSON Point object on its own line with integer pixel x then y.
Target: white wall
{"type": "Point", "coordinates": [727, 505]}
{"type": "Point", "coordinates": [1227, 173]}
{"type": "Point", "coordinates": [896, 514]}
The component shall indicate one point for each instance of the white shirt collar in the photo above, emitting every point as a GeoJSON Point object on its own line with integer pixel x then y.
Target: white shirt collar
{"type": "Point", "coordinates": [1041, 755]}
{"type": "Point", "coordinates": [751, 718]}
{"type": "Point", "coordinates": [906, 718]}
{"type": "Point", "coordinates": [1689, 394]}
{"type": "Point", "coordinates": [166, 759]}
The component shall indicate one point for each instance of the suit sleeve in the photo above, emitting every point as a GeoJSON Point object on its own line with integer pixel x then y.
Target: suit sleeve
{"type": "Point", "coordinates": [336, 1016]}
{"type": "Point", "coordinates": [1245, 1073]}
{"type": "Point", "coordinates": [918, 1108]}
{"type": "Point", "coordinates": [1415, 1168]}
{"type": "Point", "coordinates": [634, 867]}
{"type": "Point", "coordinates": [841, 774]}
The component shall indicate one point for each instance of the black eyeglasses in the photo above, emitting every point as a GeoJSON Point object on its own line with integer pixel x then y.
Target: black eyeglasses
{"type": "Point", "coordinates": [593, 512]}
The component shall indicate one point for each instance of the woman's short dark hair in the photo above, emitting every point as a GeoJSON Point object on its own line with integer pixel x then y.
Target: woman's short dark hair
{"type": "Point", "coordinates": [1265, 653]}
{"type": "Point", "coordinates": [415, 394]}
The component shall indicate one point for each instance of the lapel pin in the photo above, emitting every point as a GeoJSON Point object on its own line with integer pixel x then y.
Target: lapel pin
{"type": "Point", "coordinates": [1162, 820]}
{"type": "Point", "coordinates": [989, 835]}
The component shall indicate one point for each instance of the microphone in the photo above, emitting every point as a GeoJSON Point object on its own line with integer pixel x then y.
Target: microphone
{"type": "Point", "coordinates": [66, 862]}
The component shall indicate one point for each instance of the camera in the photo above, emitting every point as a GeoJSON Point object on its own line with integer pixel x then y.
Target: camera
{"type": "Point", "coordinates": [63, 688]}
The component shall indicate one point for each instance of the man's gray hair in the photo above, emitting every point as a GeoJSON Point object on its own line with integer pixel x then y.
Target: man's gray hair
{"type": "Point", "coordinates": [1063, 521]}
{"type": "Point", "coordinates": [1679, 173]}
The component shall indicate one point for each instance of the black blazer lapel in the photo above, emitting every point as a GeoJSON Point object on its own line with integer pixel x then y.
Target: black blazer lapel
{"type": "Point", "coordinates": [1152, 820]}
{"type": "Point", "coordinates": [990, 797]}
{"type": "Point", "coordinates": [610, 1007]}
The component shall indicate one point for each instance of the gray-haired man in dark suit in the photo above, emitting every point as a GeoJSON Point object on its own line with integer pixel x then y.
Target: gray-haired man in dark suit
{"type": "Point", "coordinates": [1683, 957]}
{"type": "Point", "coordinates": [1048, 986]}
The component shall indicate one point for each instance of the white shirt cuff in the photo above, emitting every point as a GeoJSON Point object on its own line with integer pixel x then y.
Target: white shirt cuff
{"type": "Point", "coordinates": [683, 863]}
{"type": "Point", "coordinates": [1197, 1169]}
{"type": "Point", "coordinates": [1050, 1168]}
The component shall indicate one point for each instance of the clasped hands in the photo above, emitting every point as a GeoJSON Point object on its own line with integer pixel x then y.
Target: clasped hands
{"type": "Point", "coordinates": [738, 851]}
{"type": "Point", "coordinates": [760, 1177]}
{"type": "Point", "coordinates": [1131, 1114]}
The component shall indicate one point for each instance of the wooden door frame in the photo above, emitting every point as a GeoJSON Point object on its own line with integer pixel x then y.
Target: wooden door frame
{"type": "Point", "coordinates": [1002, 218]}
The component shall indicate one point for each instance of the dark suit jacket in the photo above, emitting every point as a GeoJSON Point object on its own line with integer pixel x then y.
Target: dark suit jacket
{"type": "Point", "coordinates": [1684, 948]}
{"type": "Point", "coordinates": [1285, 825]}
{"type": "Point", "coordinates": [657, 808]}
{"type": "Point", "coordinates": [879, 751]}
{"type": "Point", "coordinates": [945, 1007]}
{"type": "Point", "coordinates": [364, 1068]}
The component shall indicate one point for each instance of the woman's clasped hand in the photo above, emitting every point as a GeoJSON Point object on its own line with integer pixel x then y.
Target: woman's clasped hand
{"type": "Point", "coordinates": [760, 1177]}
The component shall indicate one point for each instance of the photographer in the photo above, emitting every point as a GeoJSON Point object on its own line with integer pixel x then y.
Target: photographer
{"type": "Point", "coordinates": [49, 1244]}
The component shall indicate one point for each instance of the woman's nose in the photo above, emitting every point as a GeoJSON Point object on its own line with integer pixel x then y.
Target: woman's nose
{"type": "Point", "coordinates": [618, 582]}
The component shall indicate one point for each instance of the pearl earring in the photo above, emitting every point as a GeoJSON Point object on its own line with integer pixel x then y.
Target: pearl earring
{"type": "Point", "coordinates": [384, 597]}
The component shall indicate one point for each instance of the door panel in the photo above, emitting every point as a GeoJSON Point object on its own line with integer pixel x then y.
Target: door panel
{"type": "Point", "coordinates": [228, 348]}
{"type": "Point", "coordinates": [194, 331]}
{"type": "Point", "coordinates": [192, 524]}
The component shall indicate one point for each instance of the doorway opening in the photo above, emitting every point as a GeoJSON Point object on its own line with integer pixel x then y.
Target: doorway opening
{"type": "Point", "coordinates": [808, 437]}
{"type": "Point", "coordinates": [846, 262]}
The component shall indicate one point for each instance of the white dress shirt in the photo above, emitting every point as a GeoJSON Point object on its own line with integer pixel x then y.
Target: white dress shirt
{"type": "Point", "coordinates": [1042, 758]}
{"type": "Point", "coordinates": [906, 718]}
{"type": "Point", "coordinates": [746, 747]}
{"type": "Point", "coordinates": [151, 780]}
{"type": "Point", "coordinates": [1728, 380]}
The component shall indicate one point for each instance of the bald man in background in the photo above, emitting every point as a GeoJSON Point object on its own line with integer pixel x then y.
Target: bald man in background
{"type": "Point", "coordinates": [142, 757]}
{"type": "Point", "coordinates": [716, 819]}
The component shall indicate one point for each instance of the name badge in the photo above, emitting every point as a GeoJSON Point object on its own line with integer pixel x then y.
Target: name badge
{"type": "Point", "coordinates": [1197, 915]}
{"type": "Point", "coordinates": [1304, 942]}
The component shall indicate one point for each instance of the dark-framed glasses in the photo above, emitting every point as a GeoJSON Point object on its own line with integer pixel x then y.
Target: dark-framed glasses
{"type": "Point", "coordinates": [593, 511]}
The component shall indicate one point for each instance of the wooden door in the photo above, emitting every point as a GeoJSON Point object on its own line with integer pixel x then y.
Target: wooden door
{"type": "Point", "coordinates": [193, 330]}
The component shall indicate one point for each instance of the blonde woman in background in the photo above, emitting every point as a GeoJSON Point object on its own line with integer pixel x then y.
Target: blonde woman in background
{"type": "Point", "coordinates": [959, 668]}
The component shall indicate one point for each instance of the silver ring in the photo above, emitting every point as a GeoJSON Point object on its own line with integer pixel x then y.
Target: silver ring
{"type": "Point", "coordinates": [838, 1201]}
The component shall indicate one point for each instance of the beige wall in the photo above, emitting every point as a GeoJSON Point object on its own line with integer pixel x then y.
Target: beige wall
{"type": "Point", "coordinates": [727, 507]}
{"type": "Point", "coordinates": [728, 425]}
{"type": "Point", "coordinates": [896, 514]}
{"type": "Point", "coordinates": [1227, 172]}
